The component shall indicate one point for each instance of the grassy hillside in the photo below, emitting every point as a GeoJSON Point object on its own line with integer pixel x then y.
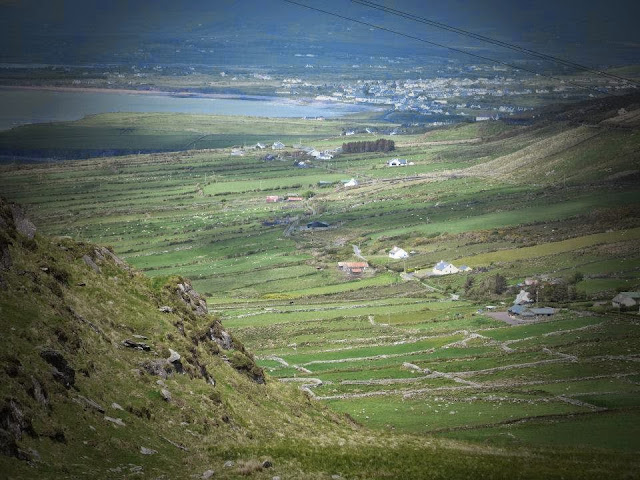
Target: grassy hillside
{"type": "Point", "coordinates": [117, 133]}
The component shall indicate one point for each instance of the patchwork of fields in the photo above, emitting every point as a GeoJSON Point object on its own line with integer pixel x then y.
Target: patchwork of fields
{"type": "Point", "coordinates": [394, 351]}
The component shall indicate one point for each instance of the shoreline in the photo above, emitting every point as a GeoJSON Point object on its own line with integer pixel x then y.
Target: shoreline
{"type": "Point", "coordinates": [175, 94]}
{"type": "Point", "coordinates": [125, 91]}
{"type": "Point", "coordinates": [316, 108]}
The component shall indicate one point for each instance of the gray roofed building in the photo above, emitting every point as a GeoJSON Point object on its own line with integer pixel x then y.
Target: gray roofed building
{"type": "Point", "coordinates": [626, 299]}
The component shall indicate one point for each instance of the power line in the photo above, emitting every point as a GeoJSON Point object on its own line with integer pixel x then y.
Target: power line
{"type": "Point", "coordinates": [412, 37]}
{"type": "Point", "coordinates": [490, 40]}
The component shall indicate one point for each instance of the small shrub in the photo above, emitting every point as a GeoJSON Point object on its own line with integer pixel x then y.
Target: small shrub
{"type": "Point", "coordinates": [249, 467]}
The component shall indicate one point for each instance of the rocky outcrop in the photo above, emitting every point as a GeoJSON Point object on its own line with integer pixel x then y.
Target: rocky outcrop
{"type": "Point", "coordinates": [192, 298]}
{"type": "Point", "coordinates": [62, 371]}
{"type": "Point", "coordinates": [13, 423]}
{"type": "Point", "coordinates": [136, 345]}
{"type": "Point", "coordinates": [22, 224]}
{"type": "Point", "coordinates": [89, 261]}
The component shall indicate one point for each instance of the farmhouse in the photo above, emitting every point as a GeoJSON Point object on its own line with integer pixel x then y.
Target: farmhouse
{"type": "Point", "coordinates": [444, 268]}
{"type": "Point", "coordinates": [465, 268]}
{"type": "Point", "coordinates": [352, 183]}
{"type": "Point", "coordinates": [626, 299]}
{"type": "Point", "coordinates": [522, 298]}
{"type": "Point", "coordinates": [353, 268]}
{"type": "Point", "coordinates": [397, 162]}
{"type": "Point", "coordinates": [277, 146]}
{"type": "Point", "coordinates": [398, 253]}
{"type": "Point", "coordinates": [273, 198]}
{"type": "Point", "coordinates": [295, 199]}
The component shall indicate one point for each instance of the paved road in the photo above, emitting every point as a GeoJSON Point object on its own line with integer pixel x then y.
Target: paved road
{"type": "Point", "coordinates": [358, 253]}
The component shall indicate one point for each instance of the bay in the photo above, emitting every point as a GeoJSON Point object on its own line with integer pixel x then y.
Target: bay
{"type": "Point", "coordinates": [24, 106]}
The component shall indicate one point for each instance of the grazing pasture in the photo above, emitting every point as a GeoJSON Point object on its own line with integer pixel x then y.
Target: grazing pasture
{"type": "Point", "coordinates": [394, 348]}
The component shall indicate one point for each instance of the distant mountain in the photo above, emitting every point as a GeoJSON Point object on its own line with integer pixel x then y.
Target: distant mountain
{"type": "Point", "coordinates": [251, 32]}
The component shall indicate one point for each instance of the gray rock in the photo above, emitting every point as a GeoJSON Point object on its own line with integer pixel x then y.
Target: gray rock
{"type": "Point", "coordinates": [22, 223]}
{"type": "Point", "coordinates": [117, 421]}
{"type": "Point", "coordinates": [147, 451]}
{"type": "Point", "coordinates": [38, 392]}
{"type": "Point", "coordinates": [229, 464]}
{"type": "Point", "coordinates": [275, 478]}
{"type": "Point", "coordinates": [116, 406]}
{"type": "Point", "coordinates": [89, 261]}
{"type": "Point", "coordinates": [173, 357]}
{"type": "Point", "coordinates": [207, 475]}
{"type": "Point", "coordinates": [192, 298]}
{"type": "Point", "coordinates": [13, 421]}
{"type": "Point", "coordinates": [176, 444]}
{"type": "Point", "coordinates": [139, 337]}
{"type": "Point", "coordinates": [90, 403]}
{"type": "Point", "coordinates": [223, 339]}
{"type": "Point", "coordinates": [166, 309]}
{"type": "Point", "coordinates": [267, 464]}
{"type": "Point", "coordinates": [156, 367]}
{"type": "Point", "coordinates": [166, 394]}
{"type": "Point", "coordinates": [117, 260]}
{"type": "Point", "coordinates": [137, 345]}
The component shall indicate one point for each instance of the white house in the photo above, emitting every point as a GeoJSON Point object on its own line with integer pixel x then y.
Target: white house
{"type": "Point", "coordinates": [444, 268]}
{"type": "Point", "coordinates": [277, 146]}
{"type": "Point", "coordinates": [352, 183]}
{"type": "Point", "coordinates": [465, 268]}
{"type": "Point", "coordinates": [397, 162]}
{"type": "Point", "coordinates": [397, 253]}
{"type": "Point", "coordinates": [522, 298]}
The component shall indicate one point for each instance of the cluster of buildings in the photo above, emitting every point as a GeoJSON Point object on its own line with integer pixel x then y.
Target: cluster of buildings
{"type": "Point", "coordinates": [438, 96]}
{"type": "Point", "coordinates": [523, 310]}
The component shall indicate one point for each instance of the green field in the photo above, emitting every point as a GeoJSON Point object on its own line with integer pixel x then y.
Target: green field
{"type": "Point", "coordinates": [395, 352]}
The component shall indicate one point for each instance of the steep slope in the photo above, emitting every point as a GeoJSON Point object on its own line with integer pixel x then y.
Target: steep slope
{"type": "Point", "coordinates": [587, 142]}
{"type": "Point", "coordinates": [105, 373]}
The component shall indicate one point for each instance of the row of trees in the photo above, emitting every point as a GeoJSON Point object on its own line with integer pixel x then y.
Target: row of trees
{"type": "Point", "coordinates": [547, 292]}
{"type": "Point", "coordinates": [380, 145]}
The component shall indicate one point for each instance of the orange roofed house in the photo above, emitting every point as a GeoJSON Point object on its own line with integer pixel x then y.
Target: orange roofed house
{"type": "Point", "coordinates": [353, 268]}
